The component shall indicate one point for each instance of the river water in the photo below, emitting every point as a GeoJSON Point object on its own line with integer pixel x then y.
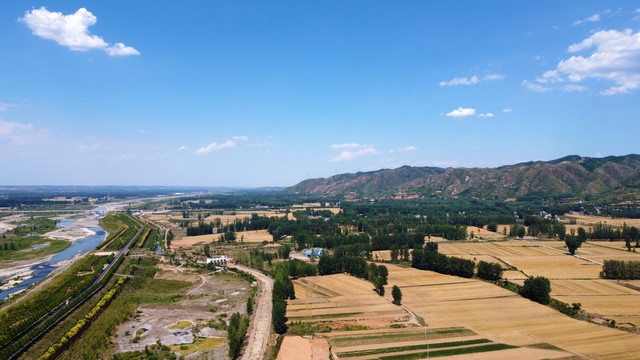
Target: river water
{"type": "Point", "coordinates": [41, 270]}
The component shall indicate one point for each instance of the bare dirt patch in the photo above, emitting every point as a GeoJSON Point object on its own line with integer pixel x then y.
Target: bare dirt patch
{"type": "Point", "coordinates": [204, 309]}
{"type": "Point", "coordinates": [298, 348]}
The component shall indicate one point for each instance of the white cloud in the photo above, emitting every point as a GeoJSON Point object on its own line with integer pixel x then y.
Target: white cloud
{"type": "Point", "coordinates": [7, 106]}
{"type": "Point", "coordinates": [535, 87]}
{"type": "Point", "coordinates": [8, 128]}
{"type": "Point", "coordinates": [486, 115]}
{"type": "Point", "coordinates": [615, 58]}
{"type": "Point", "coordinates": [214, 146]}
{"type": "Point", "coordinates": [72, 31]}
{"type": "Point", "coordinates": [183, 148]}
{"type": "Point", "coordinates": [120, 49]}
{"type": "Point", "coordinates": [408, 148]}
{"type": "Point", "coordinates": [573, 87]}
{"type": "Point", "coordinates": [461, 112]}
{"type": "Point", "coordinates": [348, 155]}
{"type": "Point", "coordinates": [17, 134]}
{"type": "Point", "coordinates": [460, 81]}
{"type": "Point", "coordinates": [507, 110]}
{"type": "Point", "coordinates": [550, 76]}
{"type": "Point", "coordinates": [494, 77]}
{"type": "Point", "coordinates": [346, 146]}
{"type": "Point", "coordinates": [471, 81]}
{"type": "Point", "coordinates": [592, 18]}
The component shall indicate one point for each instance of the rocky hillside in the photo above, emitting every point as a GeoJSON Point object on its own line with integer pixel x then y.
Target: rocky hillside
{"type": "Point", "coordinates": [569, 175]}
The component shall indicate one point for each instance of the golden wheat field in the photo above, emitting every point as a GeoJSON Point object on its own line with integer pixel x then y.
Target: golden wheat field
{"type": "Point", "coordinates": [338, 297]}
{"type": "Point", "coordinates": [254, 236]}
{"type": "Point", "coordinates": [483, 233]}
{"type": "Point", "coordinates": [504, 316]}
{"type": "Point", "coordinates": [338, 300]}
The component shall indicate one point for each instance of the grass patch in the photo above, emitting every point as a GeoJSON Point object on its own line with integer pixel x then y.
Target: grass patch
{"type": "Point", "coordinates": [451, 352]}
{"type": "Point", "coordinates": [412, 347]}
{"type": "Point", "coordinates": [151, 352]}
{"type": "Point", "coordinates": [161, 291]}
{"type": "Point", "coordinates": [394, 336]}
{"type": "Point", "coordinates": [199, 343]}
{"type": "Point", "coordinates": [38, 225]}
{"type": "Point", "coordinates": [181, 325]}
{"type": "Point", "coordinates": [24, 250]}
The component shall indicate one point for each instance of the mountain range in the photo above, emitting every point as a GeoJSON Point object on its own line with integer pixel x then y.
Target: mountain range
{"type": "Point", "coordinates": [570, 175]}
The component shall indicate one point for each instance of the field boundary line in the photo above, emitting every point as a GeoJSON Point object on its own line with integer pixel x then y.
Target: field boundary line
{"type": "Point", "coordinates": [562, 251]}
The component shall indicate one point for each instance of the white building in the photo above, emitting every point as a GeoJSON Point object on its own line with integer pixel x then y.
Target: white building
{"type": "Point", "coordinates": [218, 260]}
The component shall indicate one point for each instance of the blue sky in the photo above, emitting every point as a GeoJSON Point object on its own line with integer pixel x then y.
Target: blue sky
{"type": "Point", "coordinates": [269, 93]}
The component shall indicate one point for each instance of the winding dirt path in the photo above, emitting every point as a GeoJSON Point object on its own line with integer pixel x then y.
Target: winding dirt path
{"type": "Point", "coordinates": [260, 327]}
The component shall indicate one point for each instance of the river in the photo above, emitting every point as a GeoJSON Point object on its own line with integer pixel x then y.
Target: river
{"type": "Point", "coordinates": [41, 270]}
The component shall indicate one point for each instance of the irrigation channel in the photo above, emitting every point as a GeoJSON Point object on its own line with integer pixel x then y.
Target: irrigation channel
{"type": "Point", "coordinates": [68, 307]}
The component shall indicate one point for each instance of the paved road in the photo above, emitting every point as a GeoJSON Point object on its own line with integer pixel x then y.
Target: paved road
{"type": "Point", "coordinates": [261, 325]}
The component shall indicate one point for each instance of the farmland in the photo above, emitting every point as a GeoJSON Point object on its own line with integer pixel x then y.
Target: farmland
{"type": "Point", "coordinates": [505, 317]}
{"type": "Point", "coordinates": [573, 279]}
{"type": "Point", "coordinates": [333, 306]}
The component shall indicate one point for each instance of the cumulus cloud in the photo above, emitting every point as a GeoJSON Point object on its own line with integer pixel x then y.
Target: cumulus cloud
{"type": "Point", "coordinates": [72, 31]}
{"type": "Point", "coordinates": [592, 18]}
{"type": "Point", "coordinates": [470, 81]}
{"type": "Point", "coordinates": [486, 115]}
{"type": "Point", "coordinates": [183, 148]}
{"type": "Point", "coordinates": [408, 148]}
{"type": "Point", "coordinates": [535, 87]}
{"type": "Point", "coordinates": [214, 146]}
{"type": "Point", "coordinates": [460, 81]}
{"type": "Point", "coordinates": [348, 155]}
{"type": "Point", "coordinates": [550, 76]}
{"type": "Point", "coordinates": [615, 58]}
{"type": "Point", "coordinates": [507, 110]}
{"type": "Point", "coordinates": [119, 49]}
{"type": "Point", "coordinates": [461, 112]}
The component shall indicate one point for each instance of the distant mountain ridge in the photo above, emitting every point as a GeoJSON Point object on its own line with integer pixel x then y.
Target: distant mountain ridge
{"type": "Point", "coordinates": [571, 174]}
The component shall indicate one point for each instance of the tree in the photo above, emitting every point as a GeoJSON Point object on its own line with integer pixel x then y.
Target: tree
{"type": "Point", "coordinates": [278, 316]}
{"type": "Point", "coordinates": [394, 253]}
{"type": "Point", "coordinates": [572, 244]}
{"type": "Point", "coordinates": [379, 284]}
{"type": "Point", "coordinates": [582, 235]}
{"type": "Point", "coordinates": [492, 227]}
{"type": "Point", "coordinates": [284, 251]}
{"type": "Point", "coordinates": [206, 250]}
{"type": "Point", "coordinates": [634, 234]}
{"type": "Point", "coordinates": [489, 271]}
{"type": "Point", "coordinates": [537, 289]}
{"type": "Point", "coordinates": [397, 295]}
{"type": "Point", "coordinates": [236, 331]}
{"type": "Point", "coordinates": [383, 272]}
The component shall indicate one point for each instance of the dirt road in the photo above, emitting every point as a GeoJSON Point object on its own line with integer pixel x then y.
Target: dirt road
{"type": "Point", "coordinates": [261, 324]}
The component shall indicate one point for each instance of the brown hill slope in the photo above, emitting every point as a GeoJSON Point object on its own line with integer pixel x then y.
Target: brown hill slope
{"type": "Point", "coordinates": [568, 175]}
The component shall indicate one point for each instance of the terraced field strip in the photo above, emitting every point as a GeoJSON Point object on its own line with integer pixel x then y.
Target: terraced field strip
{"type": "Point", "coordinates": [410, 347]}
{"type": "Point", "coordinates": [389, 334]}
{"type": "Point", "coordinates": [450, 352]}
